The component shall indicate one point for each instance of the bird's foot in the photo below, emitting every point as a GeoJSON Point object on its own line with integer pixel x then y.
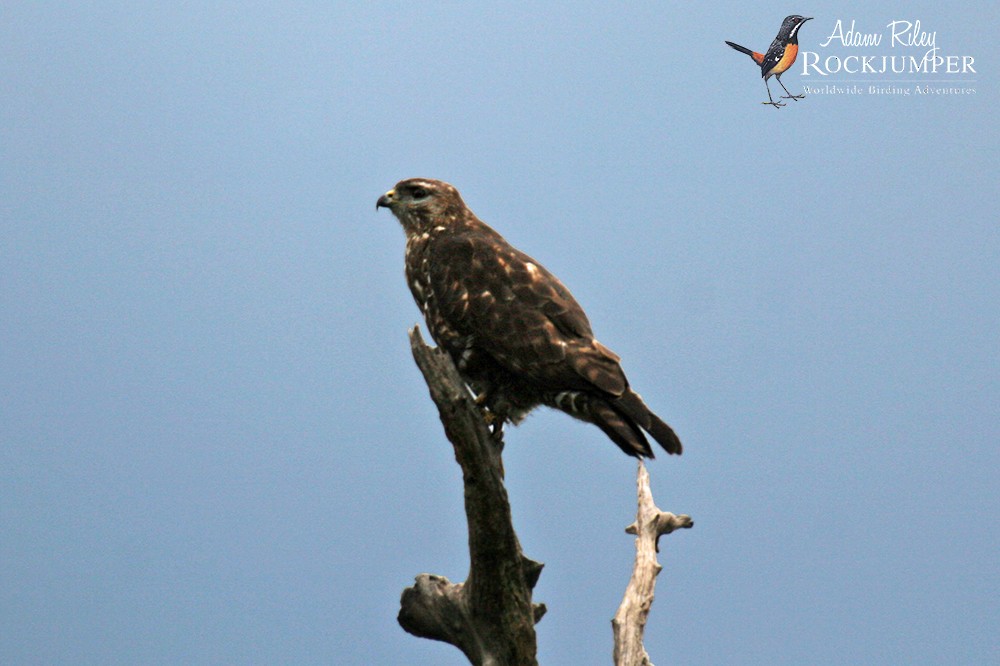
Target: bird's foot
{"type": "Point", "coordinates": [491, 418]}
{"type": "Point", "coordinates": [795, 97]}
{"type": "Point", "coordinates": [774, 104]}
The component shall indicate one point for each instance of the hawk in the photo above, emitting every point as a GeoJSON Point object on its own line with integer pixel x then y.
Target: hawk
{"type": "Point", "coordinates": [517, 336]}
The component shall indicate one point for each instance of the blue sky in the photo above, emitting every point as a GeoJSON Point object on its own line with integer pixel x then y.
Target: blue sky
{"type": "Point", "coordinates": [215, 447]}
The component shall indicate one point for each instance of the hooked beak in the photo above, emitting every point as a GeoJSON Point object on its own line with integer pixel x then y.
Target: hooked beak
{"type": "Point", "coordinates": [385, 200]}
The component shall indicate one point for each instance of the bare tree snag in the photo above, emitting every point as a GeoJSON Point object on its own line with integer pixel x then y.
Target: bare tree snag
{"type": "Point", "coordinates": [489, 617]}
{"type": "Point", "coordinates": [629, 622]}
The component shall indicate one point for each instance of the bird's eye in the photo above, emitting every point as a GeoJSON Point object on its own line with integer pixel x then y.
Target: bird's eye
{"type": "Point", "coordinates": [419, 192]}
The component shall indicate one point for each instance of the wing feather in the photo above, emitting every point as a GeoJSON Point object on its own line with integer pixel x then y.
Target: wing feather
{"type": "Point", "coordinates": [520, 314]}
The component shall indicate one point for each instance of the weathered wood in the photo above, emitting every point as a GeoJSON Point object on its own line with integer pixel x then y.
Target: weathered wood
{"type": "Point", "coordinates": [629, 622]}
{"type": "Point", "coordinates": [490, 617]}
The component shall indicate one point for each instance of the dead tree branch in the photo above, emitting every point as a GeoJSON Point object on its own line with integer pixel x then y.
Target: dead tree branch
{"type": "Point", "coordinates": [629, 622]}
{"type": "Point", "coordinates": [489, 617]}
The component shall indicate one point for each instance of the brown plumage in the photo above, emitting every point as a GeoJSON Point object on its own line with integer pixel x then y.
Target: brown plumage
{"type": "Point", "coordinates": [516, 334]}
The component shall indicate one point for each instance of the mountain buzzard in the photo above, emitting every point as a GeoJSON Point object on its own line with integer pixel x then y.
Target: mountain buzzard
{"type": "Point", "coordinates": [516, 334]}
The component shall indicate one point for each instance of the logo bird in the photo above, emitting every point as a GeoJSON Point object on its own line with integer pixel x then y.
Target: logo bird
{"type": "Point", "coordinates": [779, 57]}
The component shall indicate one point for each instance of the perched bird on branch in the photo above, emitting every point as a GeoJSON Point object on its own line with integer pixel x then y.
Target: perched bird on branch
{"type": "Point", "coordinates": [515, 333]}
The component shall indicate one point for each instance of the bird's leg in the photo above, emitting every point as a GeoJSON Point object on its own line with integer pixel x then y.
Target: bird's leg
{"type": "Point", "coordinates": [772, 102]}
{"type": "Point", "coordinates": [495, 422]}
{"type": "Point", "coordinates": [789, 95]}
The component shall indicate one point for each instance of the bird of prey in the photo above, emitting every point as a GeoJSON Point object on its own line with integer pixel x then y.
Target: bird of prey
{"type": "Point", "coordinates": [517, 336]}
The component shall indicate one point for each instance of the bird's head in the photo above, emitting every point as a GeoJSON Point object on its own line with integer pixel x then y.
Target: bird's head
{"type": "Point", "coordinates": [419, 203]}
{"type": "Point", "coordinates": [790, 26]}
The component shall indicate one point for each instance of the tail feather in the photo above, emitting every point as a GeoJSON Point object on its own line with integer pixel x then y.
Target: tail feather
{"type": "Point", "coordinates": [757, 57]}
{"type": "Point", "coordinates": [622, 420]}
{"type": "Point", "coordinates": [665, 435]}
{"type": "Point", "coordinates": [632, 406]}
{"type": "Point", "coordinates": [620, 428]}
{"type": "Point", "coordinates": [741, 49]}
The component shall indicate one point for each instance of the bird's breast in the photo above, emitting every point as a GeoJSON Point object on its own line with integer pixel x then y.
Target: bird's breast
{"type": "Point", "coordinates": [418, 272]}
{"type": "Point", "coordinates": [787, 58]}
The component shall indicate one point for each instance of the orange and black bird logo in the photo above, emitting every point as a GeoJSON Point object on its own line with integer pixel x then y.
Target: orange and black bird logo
{"type": "Point", "coordinates": [779, 57]}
